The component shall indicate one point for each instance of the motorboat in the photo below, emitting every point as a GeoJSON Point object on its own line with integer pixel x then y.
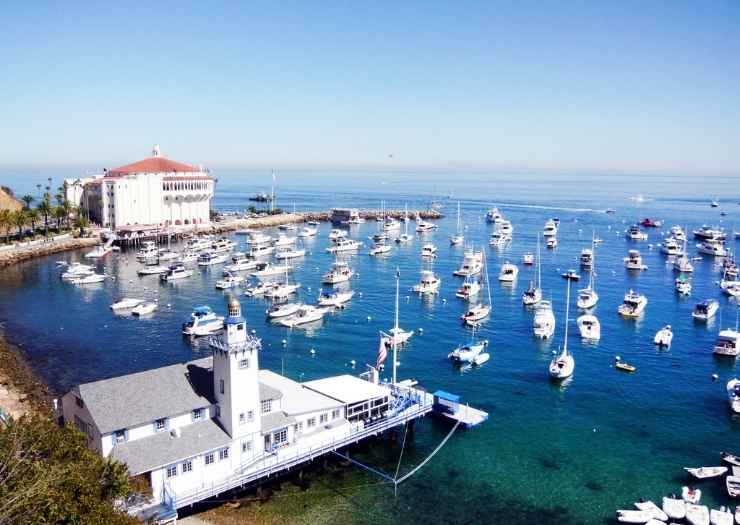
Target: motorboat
{"type": "Point", "coordinates": [259, 239]}
{"type": "Point", "coordinates": [476, 313]}
{"type": "Point", "coordinates": [587, 297]}
{"type": "Point", "coordinates": [345, 245]}
{"type": "Point", "coordinates": [586, 257]}
{"type": "Point", "coordinates": [282, 290]}
{"type": "Point", "coordinates": [278, 311]}
{"type": "Point", "coordinates": [728, 343]}
{"type": "Point", "coordinates": [543, 324]}
{"type": "Point", "coordinates": [671, 246]}
{"type": "Point", "coordinates": [404, 238]}
{"type": "Point", "coordinates": [391, 225]}
{"type": "Point", "coordinates": [498, 240]}
{"type": "Point", "coordinates": [271, 270]}
{"type": "Point", "coordinates": [706, 472]}
{"type": "Point", "coordinates": [336, 235]}
{"type": "Point", "coordinates": [697, 514]}
{"type": "Point", "coordinates": [656, 513]}
{"type": "Point", "coordinates": [308, 231]}
{"type": "Point", "coordinates": [733, 394]}
{"type": "Point", "coordinates": [633, 516]}
{"type": "Point", "coordinates": [76, 270]}
{"type": "Point", "coordinates": [713, 247]}
{"type": "Point", "coordinates": [467, 353]}
{"type": "Point", "coordinates": [305, 314]}
{"type": "Point", "coordinates": [634, 233]}
{"type": "Point", "coordinates": [683, 285]}
{"type": "Point", "coordinates": [148, 250]}
{"type": "Point", "coordinates": [428, 283]}
{"type": "Point", "coordinates": [528, 259]}
{"type": "Point", "coordinates": [707, 233]}
{"type": "Point", "coordinates": [571, 275]}
{"type": "Point", "coordinates": [380, 237]}
{"type": "Point", "coordinates": [240, 262]}
{"type": "Point", "coordinates": [563, 363]}
{"type": "Point", "coordinates": [472, 264]}
{"type": "Point", "coordinates": [469, 289]}
{"type": "Point", "coordinates": [203, 321]}
{"type": "Point", "coordinates": [674, 507]}
{"type": "Point", "coordinates": [260, 250]}
{"type": "Point", "coordinates": [176, 271]}
{"type": "Point", "coordinates": [506, 229]}
{"type": "Point", "coordinates": [152, 270]}
{"type": "Point", "coordinates": [125, 304]}
{"type": "Point", "coordinates": [222, 245]}
{"type": "Point", "coordinates": [624, 367]}
{"type": "Point", "coordinates": [683, 264]}
{"type": "Point", "coordinates": [508, 273]}
{"type": "Point", "coordinates": [664, 336]}
{"type": "Point", "coordinates": [289, 252]}
{"type": "Point", "coordinates": [188, 257]}
{"type": "Point", "coordinates": [633, 304]}
{"type": "Point", "coordinates": [424, 226]}
{"type": "Point", "coordinates": [690, 494]}
{"type": "Point", "coordinates": [230, 280]}
{"type": "Point", "coordinates": [288, 227]}
{"type": "Point", "coordinates": [283, 240]}
{"type": "Point", "coordinates": [633, 261]}
{"type": "Point", "coordinates": [429, 250]}
{"type": "Point", "coordinates": [610, 211]}
{"type": "Point", "coordinates": [732, 289]}
{"type": "Point", "coordinates": [730, 268]}
{"type": "Point", "coordinates": [340, 272]}
{"type": "Point", "coordinates": [458, 237]}
{"type": "Point", "coordinates": [210, 258]}
{"type": "Point", "coordinates": [335, 299]}
{"type": "Point", "coordinates": [721, 517]}
{"type": "Point", "coordinates": [198, 244]}
{"type": "Point", "coordinates": [550, 229]}
{"type": "Point", "coordinates": [380, 248]}
{"type": "Point", "coordinates": [732, 459]}
{"type": "Point", "coordinates": [493, 215]}
{"type": "Point", "coordinates": [733, 486]}
{"type": "Point", "coordinates": [99, 251]}
{"type": "Point", "coordinates": [647, 222]}
{"type": "Point", "coordinates": [551, 243]}
{"type": "Point", "coordinates": [677, 233]}
{"type": "Point", "coordinates": [714, 204]}
{"type": "Point", "coordinates": [261, 288]}
{"type": "Point", "coordinates": [589, 327]}
{"type": "Point", "coordinates": [167, 255]}
{"type": "Point", "coordinates": [532, 295]}
{"type": "Point", "coordinates": [92, 278]}
{"type": "Point", "coordinates": [144, 308]}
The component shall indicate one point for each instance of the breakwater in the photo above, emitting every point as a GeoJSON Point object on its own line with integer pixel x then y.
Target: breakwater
{"type": "Point", "coordinates": [23, 252]}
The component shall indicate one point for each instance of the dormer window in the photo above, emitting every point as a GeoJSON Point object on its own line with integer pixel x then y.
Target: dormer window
{"type": "Point", "coordinates": [266, 406]}
{"type": "Point", "coordinates": [160, 425]}
{"type": "Point", "coordinates": [119, 436]}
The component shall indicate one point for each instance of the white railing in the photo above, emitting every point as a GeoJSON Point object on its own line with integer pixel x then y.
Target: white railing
{"type": "Point", "coordinates": [274, 463]}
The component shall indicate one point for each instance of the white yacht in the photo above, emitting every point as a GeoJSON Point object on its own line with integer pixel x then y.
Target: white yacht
{"type": "Point", "coordinates": [125, 304]}
{"type": "Point", "coordinates": [380, 248]}
{"type": "Point", "coordinates": [664, 336]}
{"type": "Point", "coordinates": [563, 363]}
{"type": "Point", "coordinates": [335, 299]}
{"type": "Point", "coordinates": [683, 285]}
{"type": "Point", "coordinates": [634, 233]}
{"type": "Point", "coordinates": [498, 240]}
{"type": "Point", "coordinates": [99, 251]}
{"type": "Point", "coordinates": [705, 310]}
{"type": "Point", "coordinates": [203, 321]}
{"type": "Point", "coordinates": [283, 240]}
{"type": "Point", "coordinates": [543, 324]}
{"type": "Point", "coordinates": [480, 310]}
{"type": "Point", "coordinates": [76, 270]}
{"type": "Point", "coordinates": [458, 238]}
{"type": "Point", "coordinates": [278, 311]}
{"type": "Point", "coordinates": [633, 305]}
{"type": "Point", "coordinates": [148, 250]}
{"type": "Point", "coordinates": [259, 238]}
{"type": "Point", "coordinates": [90, 278]}
{"type": "Point", "coordinates": [152, 270]}
{"type": "Point", "coordinates": [240, 262]}
{"type": "Point", "coordinates": [337, 235]}
{"type": "Point", "coordinates": [229, 280]}
{"type": "Point", "coordinates": [707, 232]}
{"type": "Point", "coordinates": [260, 250]}
{"type": "Point", "coordinates": [677, 233]}
{"type": "Point", "coordinates": [345, 245]}
{"type": "Point", "coordinates": [469, 289]}
{"type": "Point", "coordinates": [423, 226]}
{"type": "Point", "coordinates": [728, 341]}
{"type": "Point", "coordinates": [683, 263]}
{"type": "Point", "coordinates": [671, 246]}
{"type": "Point", "coordinates": [733, 394]}
{"type": "Point", "coordinates": [493, 215]}
{"type": "Point", "coordinates": [261, 288]}
{"type": "Point", "coordinates": [528, 259]}
{"type": "Point", "coordinates": [289, 252]}
{"type": "Point", "coordinates": [222, 245]}
{"type": "Point", "coordinates": [550, 229]}
{"type": "Point", "coordinates": [144, 308]}
{"type": "Point", "coordinates": [271, 270]}
{"type": "Point", "coordinates": [633, 261]}
{"type": "Point", "coordinates": [468, 353]}
{"type": "Point", "coordinates": [506, 229]}
{"type": "Point", "coordinates": [198, 244]}
{"type": "Point", "coordinates": [306, 314]}
{"type": "Point", "coordinates": [282, 290]}
{"type": "Point", "coordinates": [586, 257]}
{"type": "Point", "coordinates": [308, 231]}
{"type": "Point", "coordinates": [429, 250]}
{"type": "Point", "coordinates": [391, 225]}
{"type": "Point", "coordinates": [551, 243]}
{"type": "Point", "coordinates": [188, 256]}
{"type": "Point", "coordinates": [589, 326]}
{"type": "Point", "coordinates": [340, 272]}
{"type": "Point", "coordinates": [176, 271]}
{"type": "Point", "coordinates": [713, 247]}
{"type": "Point", "coordinates": [508, 273]}
{"type": "Point", "coordinates": [210, 258]}
{"type": "Point", "coordinates": [428, 283]}
{"type": "Point", "coordinates": [472, 263]}
{"type": "Point", "coordinates": [533, 295]}
{"type": "Point", "coordinates": [167, 255]}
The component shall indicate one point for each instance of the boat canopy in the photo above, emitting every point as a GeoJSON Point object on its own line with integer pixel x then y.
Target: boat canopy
{"type": "Point", "coordinates": [202, 310]}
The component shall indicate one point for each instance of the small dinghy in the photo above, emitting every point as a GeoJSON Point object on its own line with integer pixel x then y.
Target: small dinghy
{"type": "Point", "coordinates": [571, 275]}
{"type": "Point", "coordinates": [144, 308]}
{"type": "Point", "coordinates": [733, 486]}
{"type": "Point", "coordinates": [690, 494]}
{"type": "Point", "coordinates": [126, 303]}
{"type": "Point", "coordinates": [655, 512]}
{"type": "Point", "coordinates": [675, 508]}
{"type": "Point", "coordinates": [633, 516]}
{"type": "Point", "coordinates": [721, 517]}
{"type": "Point", "coordinates": [664, 336]}
{"type": "Point", "coordinates": [706, 472]}
{"type": "Point", "coordinates": [730, 458]}
{"type": "Point", "coordinates": [697, 514]}
{"type": "Point", "coordinates": [624, 367]}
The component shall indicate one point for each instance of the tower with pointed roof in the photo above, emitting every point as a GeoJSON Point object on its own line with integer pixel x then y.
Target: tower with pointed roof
{"type": "Point", "coordinates": [236, 375]}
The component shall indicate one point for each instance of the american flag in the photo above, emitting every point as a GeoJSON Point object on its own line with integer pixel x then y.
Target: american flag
{"type": "Point", "coordinates": [382, 352]}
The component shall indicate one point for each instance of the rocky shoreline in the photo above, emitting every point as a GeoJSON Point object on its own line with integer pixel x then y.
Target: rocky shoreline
{"type": "Point", "coordinates": [21, 390]}
{"type": "Point", "coordinates": [24, 253]}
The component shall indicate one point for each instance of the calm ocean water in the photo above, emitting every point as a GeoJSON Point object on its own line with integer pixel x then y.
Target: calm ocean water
{"type": "Point", "coordinates": [569, 453]}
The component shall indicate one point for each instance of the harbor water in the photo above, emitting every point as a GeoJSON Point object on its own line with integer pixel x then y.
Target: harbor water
{"type": "Point", "coordinates": [549, 453]}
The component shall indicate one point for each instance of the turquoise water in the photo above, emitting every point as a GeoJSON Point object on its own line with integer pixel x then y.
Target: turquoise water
{"type": "Point", "coordinates": [549, 453]}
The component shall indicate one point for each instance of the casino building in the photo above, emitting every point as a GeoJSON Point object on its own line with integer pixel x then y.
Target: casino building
{"type": "Point", "coordinates": [154, 192]}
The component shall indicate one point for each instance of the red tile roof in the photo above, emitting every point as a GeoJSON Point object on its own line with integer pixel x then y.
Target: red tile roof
{"type": "Point", "coordinates": [153, 165]}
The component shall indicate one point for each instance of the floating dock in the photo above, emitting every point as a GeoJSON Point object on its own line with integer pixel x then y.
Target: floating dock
{"type": "Point", "coordinates": [448, 405]}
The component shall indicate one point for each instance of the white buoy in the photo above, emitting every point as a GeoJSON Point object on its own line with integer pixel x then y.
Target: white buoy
{"type": "Point", "coordinates": [444, 300]}
{"type": "Point", "coordinates": [312, 351]}
{"type": "Point", "coordinates": [285, 342]}
{"type": "Point", "coordinates": [715, 377]}
{"type": "Point", "coordinates": [617, 358]}
{"type": "Point", "coordinates": [353, 363]}
{"type": "Point", "coordinates": [420, 330]}
{"type": "Point", "coordinates": [369, 318]}
{"type": "Point", "coordinates": [254, 331]}
{"type": "Point", "coordinates": [360, 294]}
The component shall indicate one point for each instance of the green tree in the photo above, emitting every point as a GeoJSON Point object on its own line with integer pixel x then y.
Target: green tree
{"type": "Point", "coordinates": [59, 214]}
{"type": "Point", "coordinates": [18, 218]}
{"type": "Point", "coordinates": [45, 209]}
{"type": "Point", "coordinates": [32, 216]}
{"type": "Point", "coordinates": [81, 222]}
{"type": "Point", "coordinates": [28, 199]}
{"type": "Point", "coordinates": [6, 223]}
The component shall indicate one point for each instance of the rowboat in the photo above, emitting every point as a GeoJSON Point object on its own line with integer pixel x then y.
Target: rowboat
{"type": "Point", "coordinates": [624, 367]}
{"type": "Point", "coordinates": [706, 472]}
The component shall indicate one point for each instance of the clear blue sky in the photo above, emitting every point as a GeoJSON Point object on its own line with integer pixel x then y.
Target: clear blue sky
{"type": "Point", "coordinates": [621, 85]}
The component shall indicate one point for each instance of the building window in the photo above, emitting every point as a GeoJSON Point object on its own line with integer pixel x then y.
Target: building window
{"type": "Point", "coordinates": [246, 446]}
{"type": "Point", "coordinates": [323, 418]}
{"type": "Point", "coordinates": [242, 418]}
{"type": "Point", "coordinates": [160, 424]}
{"type": "Point", "coordinates": [280, 437]}
{"type": "Point", "coordinates": [197, 414]}
{"type": "Point", "coordinates": [187, 466]}
{"type": "Point", "coordinates": [335, 414]}
{"type": "Point", "coordinates": [223, 454]}
{"type": "Point", "coordinates": [79, 402]}
{"type": "Point", "coordinates": [172, 471]}
{"type": "Point", "coordinates": [250, 415]}
{"type": "Point", "coordinates": [209, 458]}
{"type": "Point", "coordinates": [240, 326]}
{"type": "Point", "coordinates": [311, 422]}
{"type": "Point", "coordinates": [266, 406]}
{"type": "Point", "coordinates": [221, 386]}
{"type": "Point", "coordinates": [119, 436]}
{"type": "Point", "coordinates": [244, 363]}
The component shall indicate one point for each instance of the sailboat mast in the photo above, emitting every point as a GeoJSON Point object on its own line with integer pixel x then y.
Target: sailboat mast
{"type": "Point", "coordinates": [458, 217]}
{"type": "Point", "coordinates": [593, 262]}
{"type": "Point", "coordinates": [567, 312]}
{"type": "Point", "coordinates": [395, 332]}
{"type": "Point", "coordinates": [488, 284]}
{"type": "Point", "coordinates": [539, 263]}
{"type": "Point", "coordinates": [405, 219]}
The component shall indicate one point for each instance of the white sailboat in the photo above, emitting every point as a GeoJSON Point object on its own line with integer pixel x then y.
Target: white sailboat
{"type": "Point", "coordinates": [471, 352]}
{"type": "Point", "coordinates": [683, 263]}
{"type": "Point", "coordinates": [397, 336]}
{"type": "Point", "coordinates": [587, 297]}
{"type": "Point", "coordinates": [479, 311]}
{"type": "Point", "coordinates": [405, 238]}
{"type": "Point", "coordinates": [563, 363]}
{"type": "Point", "coordinates": [458, 238]}
{"type": "Point", "coordinates": [533, 295]}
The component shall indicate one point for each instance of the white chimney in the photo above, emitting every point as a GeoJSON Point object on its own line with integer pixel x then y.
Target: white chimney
{"type": "Point", "coordinates": [155, 151]}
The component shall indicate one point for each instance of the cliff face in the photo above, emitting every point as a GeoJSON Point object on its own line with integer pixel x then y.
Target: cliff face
{"type": "Point", "coordinates": [7, 202]}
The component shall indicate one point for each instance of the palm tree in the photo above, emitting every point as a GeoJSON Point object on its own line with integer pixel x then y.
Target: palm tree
{"type": "Point", "coordinates": [45, 209]}
{"type": "Point", "coordinates": [33, 216]}
{"type": "Point", "coordinates": [59, 215]}
{"type": "Point", "coordinates": [28, 199]}
{"type": "Point", "coordinates": [68, 210]}
{"type": "Point", "coordinates": [18, 219]}
{"type": "Point", "coordinates": [81, 222]}
{"type": "Point", "coordinates": [5, 223]}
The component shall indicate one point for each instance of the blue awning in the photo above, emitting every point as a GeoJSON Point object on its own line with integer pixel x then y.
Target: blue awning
{"type": "Point", "coordinates": [441, 394]}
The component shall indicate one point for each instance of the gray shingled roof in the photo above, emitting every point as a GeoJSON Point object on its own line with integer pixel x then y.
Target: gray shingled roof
{"type": "Point", "coordinates": [275, 420]}
{"type": "Point", "coordinates": [135, 399]}
{"type": "Point", "coordinates": [144, 455]}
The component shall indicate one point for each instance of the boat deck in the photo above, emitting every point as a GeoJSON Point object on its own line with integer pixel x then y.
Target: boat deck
{"type": "Point", "coordinates": [466, 415]}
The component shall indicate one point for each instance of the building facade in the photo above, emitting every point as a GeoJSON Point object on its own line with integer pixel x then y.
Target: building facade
{"type": "Point", "coordinates": [154, 192]}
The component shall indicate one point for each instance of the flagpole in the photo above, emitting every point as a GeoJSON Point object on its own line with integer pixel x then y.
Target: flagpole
{"type": "Point", "coordinates": [395, 334]}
